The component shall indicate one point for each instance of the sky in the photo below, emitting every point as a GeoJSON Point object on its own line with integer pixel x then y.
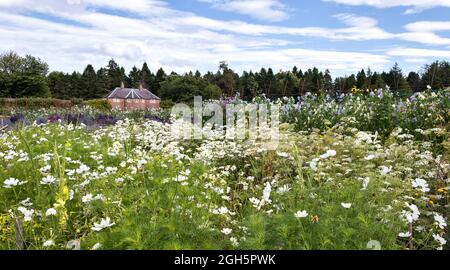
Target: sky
{"type": "Point", "coordinates": [343, 36]}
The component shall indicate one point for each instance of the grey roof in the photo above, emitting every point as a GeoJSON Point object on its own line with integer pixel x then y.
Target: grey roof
{"type": "Point", "coordinates": [132, 93]}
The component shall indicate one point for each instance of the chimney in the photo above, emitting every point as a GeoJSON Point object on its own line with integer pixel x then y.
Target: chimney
{"type": "Point", "coordinates": [122, 85]}
{"type": "Point", "coordinates": [140, 86]}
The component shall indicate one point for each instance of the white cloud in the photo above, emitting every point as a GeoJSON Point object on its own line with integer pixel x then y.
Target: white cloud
{"type": "Point", "coordinates": [166, 41]}
{"type": "Point", "coordinates": [424, 38]}
{"type": "Point", "coordinates": [416, 60]}
{"type": "Point", "coordinates": [264, 10]}
{"type": "Point", "coordinates": [425, 32]}
{"type": "Point", "coordinates": [358, 28]}
{"type": "Point", "coordinates": [428, 26]}
{"type": "Point", "coordinates": [10, 3]}
{"type": "Point", "coordinates": [413, 6]}
{"type": "Point", "coordinates": [414, 52]}
{"type": "Point", "coordinates": [182, 41]}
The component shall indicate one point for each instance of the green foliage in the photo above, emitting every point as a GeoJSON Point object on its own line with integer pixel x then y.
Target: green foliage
{"type": "Point", "coordinates": [17, 86]}
{"type": "Point", "coordinates": [380, 112]}
{"type": "Point", "coordinates": [184, 88]}
{"type": "Point", "coordinates": [99, 104]}
{"type": "Point", "coordinates": [160, 192]}
{"type": "Point", "coordinates": [167, 104]}
{"type": "Point", "coordinates": [34, 103]}
{"type": "Point", "coordinates": [95, 84]}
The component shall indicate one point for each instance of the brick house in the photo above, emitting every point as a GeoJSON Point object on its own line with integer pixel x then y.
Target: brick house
{"type": "Point", "coordinates": [124, 99]}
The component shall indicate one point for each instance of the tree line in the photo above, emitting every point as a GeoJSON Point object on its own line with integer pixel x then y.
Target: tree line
{"type": "Point", "coordinates": [29, 77]}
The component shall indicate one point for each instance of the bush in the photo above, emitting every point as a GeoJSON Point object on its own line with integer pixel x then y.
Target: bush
{"type": "Point", "coordinates": [34, 103]}
{"type": "Point", "coordinates": [167, 104]}
{"type": "Point", "coordinates": [99, 104]}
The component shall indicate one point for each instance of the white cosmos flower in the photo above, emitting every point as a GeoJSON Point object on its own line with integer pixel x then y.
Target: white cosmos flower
{"type": "Point", "coordinates": [26, 202]}
{"type": "Point", "coordinates": [48, 180]}
{"type": "Point", "coordinates": [283, 154]}
{"type": "Point", "coordinates": [180, 178]}
{"type": "Point", "coordinates": [223, 211]}
{"type": "Point", "coordinates": [346, 205]}
{"type": "Point", "coordinates": [27, 213]}
{"type": "Point", "coordinates": [370, 157]}
{"type": "Point", "coordinates": [120, 180]}
{"type": "Point", "coordinates": [234, 241]}
{"type": "Point", "coordinates": [301, 214]}
{"type": "Point", "coordinates": [74, 244]}
{"type": "Point", "coordinates": [97, 246]}
{"type": "Point", "coordinates": [405, 234]}
{"type": "Point", "coordinates": [413, 215]}
{"type": "Point", "coordinates": [421, 184]}
{"type": "Point", "coordinates": [266, 192]}
{"type": "Point", "coordinates": [283, 189]}
{"type": "Point", "coordinates": [227, 231]}
{"type": "Point", "coordinates": [329, 153]}
{"type": "Point", "coordinates": [439, 239]}
{"type": "Point", "coordinates": [50, 212]}
{"type": "Point", "coordinates": [12, 182]}
{"type": "Point", "coordinates": [48, 243]}
{"type": "Point", "coordinates": [45, 169]}
{"type": "Point", "coordinates": [87, 198]}
{"type": "Point", "coordinates": [82, 169]}
{"type": "Point", "coordinates": [313, 164]}
{"type": "Point", "coordinates": [440, 221]}
{"type": "Point", "coordinates": [385, 170]}
{"type": "Point", "coordinates": [366, 182]}
{"type": "Point", "coordinates": [104, 223]}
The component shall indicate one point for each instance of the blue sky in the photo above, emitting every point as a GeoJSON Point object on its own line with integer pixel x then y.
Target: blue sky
{"type": "Point", "coordinates": [180, 35]}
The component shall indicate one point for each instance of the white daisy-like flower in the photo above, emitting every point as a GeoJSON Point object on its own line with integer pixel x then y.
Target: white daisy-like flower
{"type": "Point", "coordinates": [413, 215]}
{"type": "Point", "coordinates": [329, 153]}
{"type": "Point", "coordinates": [12, 182]}
{"type": "Point", "coordinates": [87, 198]}
{"type": "Point", "coordinates": [421, 184]}
{"type": "Point", "coordinates": [83, 169]}
{"type": "Point", "coordinates": [346, 205]}
{"type": "Point", "coordinates": [27, 213]}
{"type": "Point", "coordinates": [50, 212]}
{"type": "Point", "coordinates": [440, 221]}
{"type": "Point", "coordinates": [48, 180]}
{"type": "Point", "coordinates": [283, 154]}
{"type": "Point", "coordinates": [439, 239]}
{"type": "Point", "coordinates": [97, 246]}
{"type": "Point", "coordinates": [405, 234]}
{"type": "Point", "coordinates": [104, 223]}
{"type": "Point", "coordinates": [301, 214]}
{"type": "Point", "coordinates": [313, 164]}
{"type": "Point", "coordinates": [74, 244]}
{"type": "Point", "coordinates": [226, 231]}
{"type": "Point", "coordinates": [365, 183]}
{"type": "Point", "coordinates": [26, 203]}
{"type": "Point", "coordinates": [385, 170]}
{"type": "Point", "coordinates": [266, 192]}
{"type": "Point", "coordinates": [283, 189]}
{"type": "Point", "coordinates": [48, 243]}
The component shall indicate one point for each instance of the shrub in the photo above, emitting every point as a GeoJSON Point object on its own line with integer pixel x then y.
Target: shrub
{"type": "Point", "coordinates": [99, 104]}
{"type": "Point", "coordinates": [167, 104]}
{"type": "Point", "coordinates": [34, 103]}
